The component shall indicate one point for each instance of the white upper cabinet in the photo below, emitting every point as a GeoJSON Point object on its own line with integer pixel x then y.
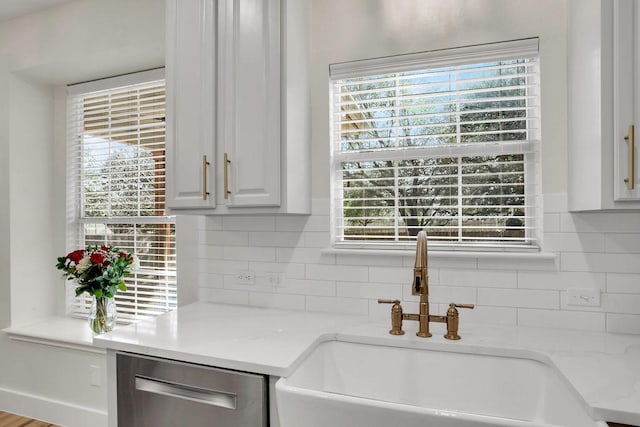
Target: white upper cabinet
{"type": "Point", "coordinates": [238, 79]}
{"type": "Point", "coordinates": [249, 101]}
{"type": "Point", "coordinates": [626, 96]}
{"type": "Point", "coordinates": [190, 122]}
{"type": "Point", "coordinates": [604, 104]}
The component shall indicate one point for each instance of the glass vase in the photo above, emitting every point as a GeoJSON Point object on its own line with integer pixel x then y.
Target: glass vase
{"type": "Point", "coordinates": [102, 316]}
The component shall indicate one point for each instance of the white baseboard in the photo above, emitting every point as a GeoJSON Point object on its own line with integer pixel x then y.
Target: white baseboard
{"type": "Point", "coordinates": [50, 410]}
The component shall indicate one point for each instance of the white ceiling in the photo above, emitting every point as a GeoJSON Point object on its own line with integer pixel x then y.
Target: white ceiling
{"type": "Point", "coordinates": [12, 8]}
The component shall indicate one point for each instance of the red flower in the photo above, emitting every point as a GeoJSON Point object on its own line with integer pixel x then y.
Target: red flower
{"type": "Point", "coordinates": [123, 255]}
{"type": "Point", "coordinates": [106, 264]}
{"type": "Point", "coordinates": [97, 258]}
{"type": "Point", "coordinates": [76, 256]}
{"type": "Point", "coordinates": [105, 248]}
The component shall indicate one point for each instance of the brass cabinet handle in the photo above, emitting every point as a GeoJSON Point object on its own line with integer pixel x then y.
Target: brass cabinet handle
{"type": "Point", "coordinates": [205, 163]}
{"type": "Point", "coordinates": [226, 176]}
{"type": "Point", "coordinates": [630, 138]}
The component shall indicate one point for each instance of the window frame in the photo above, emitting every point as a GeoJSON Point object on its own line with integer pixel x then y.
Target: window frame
{"type": "Point", "coordinates": [76, 221]}
{"type": "Point", "coordinates": [475, 54]}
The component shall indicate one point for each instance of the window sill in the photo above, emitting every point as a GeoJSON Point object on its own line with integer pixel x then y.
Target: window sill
{"type": "Point", "coordinates": [449, 254]}
{"type": "Point", "coordinates": [56, 331]}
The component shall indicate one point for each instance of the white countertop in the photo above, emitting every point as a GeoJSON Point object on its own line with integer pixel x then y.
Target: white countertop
{"type": "Point", "coordinates": [250, 339]}
{"type": "Point", "coordinates": [604, 368]}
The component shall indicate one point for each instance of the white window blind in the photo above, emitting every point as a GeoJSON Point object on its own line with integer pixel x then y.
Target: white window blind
{"type": "Point", "coordinates": [444, 141]}
{"type": "Point", "coordinates": [116, 186]}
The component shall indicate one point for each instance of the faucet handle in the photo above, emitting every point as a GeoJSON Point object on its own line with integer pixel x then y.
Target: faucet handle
{"type": "Point", "coordinates": [396, 316]}
{"type": "Point", "coordinates": [471, 306]}
{"type": "Point", "coordinates": [453, 320]}
{"type": "Point", "coordinates": [388, 301]}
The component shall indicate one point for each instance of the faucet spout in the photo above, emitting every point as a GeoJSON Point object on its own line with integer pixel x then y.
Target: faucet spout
{"type": "Point", "coordinates": [421, 287]}
{"type": "Point", "coordinates": [420, 277]}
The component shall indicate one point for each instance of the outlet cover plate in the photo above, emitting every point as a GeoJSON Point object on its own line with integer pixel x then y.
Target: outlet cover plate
{"type": "Point", "coordinates": [583, 297]}
{"type": "Point", "coordinates": [245, 278]}
{"type": "Point", "coordinates": [95, 376]}
{"type": "Point", "coordinates": [275, 279]}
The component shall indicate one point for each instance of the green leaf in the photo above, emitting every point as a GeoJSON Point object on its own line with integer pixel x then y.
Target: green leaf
{"type": "Point", "coordinates": [122, 286]}
{"type": "Point", "coordinates": [98, 293]}
{"type": "Point", "coordinates": [81, 289]}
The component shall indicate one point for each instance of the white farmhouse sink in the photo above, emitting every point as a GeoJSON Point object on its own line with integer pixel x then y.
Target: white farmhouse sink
{"type": "Point", "coordinates": [350, 384]}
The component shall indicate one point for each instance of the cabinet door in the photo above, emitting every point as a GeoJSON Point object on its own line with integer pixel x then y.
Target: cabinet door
{"type": "Point", "coordinates": [626, 100]}
{"type": "Point", "coordinates": [190, 71]}
{"type": "Point", "coordinates": [249, 102]}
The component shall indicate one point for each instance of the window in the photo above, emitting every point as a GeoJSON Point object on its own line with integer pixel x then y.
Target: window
{"type": "Point", "coordinates": [116, 185]}
{"type": "Point", "coordinates": [443, 141]}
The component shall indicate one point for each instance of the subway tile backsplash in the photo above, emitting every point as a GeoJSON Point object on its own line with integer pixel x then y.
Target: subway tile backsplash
{"type": "Point", "coordinates": [290, 270]}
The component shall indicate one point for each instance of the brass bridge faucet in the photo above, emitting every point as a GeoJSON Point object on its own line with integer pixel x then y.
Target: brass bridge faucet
{"type": "Point", "coordinates": [421, 287]}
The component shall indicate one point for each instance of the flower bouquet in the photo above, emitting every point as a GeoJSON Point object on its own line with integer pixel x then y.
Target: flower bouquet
{"type": "Point", "coordinates": [98, 271]}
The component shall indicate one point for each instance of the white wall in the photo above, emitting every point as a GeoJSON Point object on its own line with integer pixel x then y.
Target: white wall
{"type": "Point", "coordinates": [76, 41]}
{"type": "Point", "coordinates": [5, 256]}
{"type": "Point", "coordinates": [597, 251]}
{"type": "Point", "coordinates": [31, 194]}
{"type": "Point", "coordinates": [85, 40]}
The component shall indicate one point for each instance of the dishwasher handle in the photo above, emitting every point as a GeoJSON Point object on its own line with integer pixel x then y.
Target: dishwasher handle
{"type": "Point", "coordinates": [181, 391]}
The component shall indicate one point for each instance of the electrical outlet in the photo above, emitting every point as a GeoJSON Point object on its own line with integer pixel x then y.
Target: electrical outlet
{"type": "Point", "coordinates": [245, 278]}
{"type": "Point", "coordinates": [275, 279]}
{"type": "Point", "coordinates": [95, 376]}
{"type": "Point", "coordinates": [584, 297]}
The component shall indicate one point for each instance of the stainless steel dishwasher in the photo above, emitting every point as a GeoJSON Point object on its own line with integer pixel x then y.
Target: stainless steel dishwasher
{"type": "Point", "coordinates": [154, 392]}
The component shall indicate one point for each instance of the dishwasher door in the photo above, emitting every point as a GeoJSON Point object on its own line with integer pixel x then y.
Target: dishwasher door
{"type": "Point", "coordinates": [156, 392]}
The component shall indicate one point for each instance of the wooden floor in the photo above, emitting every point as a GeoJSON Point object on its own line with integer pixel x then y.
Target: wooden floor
{"type": "Point", "coordinates": [10, 420]}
